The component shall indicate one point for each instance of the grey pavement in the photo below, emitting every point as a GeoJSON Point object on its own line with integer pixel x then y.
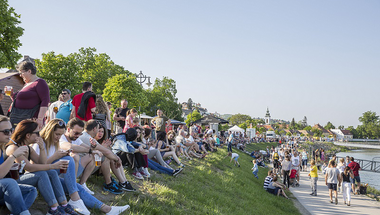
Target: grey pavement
{"type": "Point", "coordinates": [360, 204]}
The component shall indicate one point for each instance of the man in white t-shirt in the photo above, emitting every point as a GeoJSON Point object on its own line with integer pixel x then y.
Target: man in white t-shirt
{"type": "Point", "coordinates": [54, 108]}
{"type": "Point", "coordinates": [84, 161]}
{"type": "Point", "coordinates": [90, 131]}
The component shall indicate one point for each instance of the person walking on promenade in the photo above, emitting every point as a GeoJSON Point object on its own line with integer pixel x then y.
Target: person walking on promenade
{"type": "Point", "coordinates": [347, 176]}
{"type": "Point", "coordinates": [332, 178]}
{"type": "Point", "coordinates": [313, 178]}
{"type": "Point", "coordinates": [355, 167]}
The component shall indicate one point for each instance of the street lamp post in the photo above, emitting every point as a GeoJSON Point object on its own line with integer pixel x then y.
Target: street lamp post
{"type": "Point", "coordinates": [141, 78]}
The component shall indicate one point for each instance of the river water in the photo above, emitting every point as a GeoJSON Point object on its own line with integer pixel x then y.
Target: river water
{"type": "Point", "coordinates": [372, 178]}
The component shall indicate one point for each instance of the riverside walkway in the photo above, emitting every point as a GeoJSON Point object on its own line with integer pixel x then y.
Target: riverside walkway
{"type": "Point", "coordinates": [360, 204]}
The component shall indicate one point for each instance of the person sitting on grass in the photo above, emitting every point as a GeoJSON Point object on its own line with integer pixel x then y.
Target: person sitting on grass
{"type": "Point", "coordinates": [166, 150]}
{"type": "Point", "coordinates": [234, 156]}
{"type": "Point", "coordinates": [255, 169]}
{"type": "Point", "coordinates": [117, 171]}
{"type": "Point", "coordinates": [278, 188]}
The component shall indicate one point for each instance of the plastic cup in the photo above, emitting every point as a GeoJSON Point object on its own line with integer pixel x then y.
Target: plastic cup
{"type": "Point", "coordinates": [14, 171]}
{"type": "Point", "coordinates": [8, 90]}
{"type": "Point", "coordinates": [98, 160]}
{"type": "Point", "coordinates": [63, 171]}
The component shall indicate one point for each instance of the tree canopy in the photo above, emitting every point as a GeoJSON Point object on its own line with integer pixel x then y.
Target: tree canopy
{"type": "Point", "coordinates": [125, 86]}
{"type": "Point", "coordinates": [71, 71]}
{"type": "Point", "coordinates": [238, 119]}
{"type": "Point", "coordinates": [10, 32]}
{"type": "Point", "coordinates": [329, 126]}
{"type": "Point", "coordinates": [193, 116]}
{"type": "Point", "coordinates": [163, 96]}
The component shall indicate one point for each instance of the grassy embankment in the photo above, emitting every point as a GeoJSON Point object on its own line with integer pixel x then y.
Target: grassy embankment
{"type": "Point", "coordinates": [209, 186]}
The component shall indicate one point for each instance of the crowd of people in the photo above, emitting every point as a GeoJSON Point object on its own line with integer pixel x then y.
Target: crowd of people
{"type": "Point", "coordinates": [289, 159]}
{"type": "Point", "coordinates": [57, 147]}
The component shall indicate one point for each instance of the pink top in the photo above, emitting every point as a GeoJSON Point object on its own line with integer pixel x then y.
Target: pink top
{"type": "Point", "coordinates": [36, 93]}
{"type": "Point", "coordinates": [128, 123]}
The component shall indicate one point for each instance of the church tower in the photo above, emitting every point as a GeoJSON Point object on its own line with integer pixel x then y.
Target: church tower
{"type": "Point", "coordinates": [267, 118]}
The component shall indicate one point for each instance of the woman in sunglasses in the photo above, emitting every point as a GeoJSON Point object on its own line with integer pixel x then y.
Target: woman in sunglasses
{"type": "Point", "coordinates": [40, 175]}
{"type": "Point", "coordinates": [22, 196]}
{"type": "Point", "coordinates": [51, 134]}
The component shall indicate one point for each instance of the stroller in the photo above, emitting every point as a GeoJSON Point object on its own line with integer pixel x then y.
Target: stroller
{"type": "Point", "coordinates": [293, 178]}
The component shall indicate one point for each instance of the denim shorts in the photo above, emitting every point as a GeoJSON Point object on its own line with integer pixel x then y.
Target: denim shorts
{"type": "Point", "coordinates": [332, 186]}
{"type": "Point", "coordinates": [356, 178]}
{"type": "Point", "coordinates": [236, 158]}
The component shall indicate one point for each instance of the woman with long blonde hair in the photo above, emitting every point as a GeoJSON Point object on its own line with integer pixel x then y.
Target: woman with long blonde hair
{"type": "Point", "coordinates": [103, 113]}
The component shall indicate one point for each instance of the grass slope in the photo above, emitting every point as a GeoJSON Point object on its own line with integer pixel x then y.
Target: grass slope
{"type": "Point", "coordinates": [209, 186]}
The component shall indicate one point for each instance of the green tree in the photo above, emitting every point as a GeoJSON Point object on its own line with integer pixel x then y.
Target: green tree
{"type": "Point", "coordinates": [237, 119]}
{"type": "Point", "coordinates": [163, 96]}
{"type": "Point", "coordinates": [191, 117]}
{"type": "Point", "coordinates": [353, 131]}
{"type": "Point", "coordinates": [243, 125]}
{"type": "Point", "coordinates": [10, 32]}
{"type": "Point", "coordinates": [307, 128]}
{"type": "Point", "coordinates": [329, 126]}
{"type": "Point", "coordinates": [71, 71]}
{"type": "Point", "coordinates": [292, 124]}
{"type": "Point", "coordinates": [60, 73]}
{"type": "Point", "coordinates": [288, 134]}
{"type": "Point", "coordinates": [125, 86]}
{"type": "Point", "coordinates": [282, 132]}
{"type": "Point", "coordinates": [369, 117]}
{"type": "Point", "coordinates": [262, 130]}
{"type": "Point", "coordinates": [341, 127]}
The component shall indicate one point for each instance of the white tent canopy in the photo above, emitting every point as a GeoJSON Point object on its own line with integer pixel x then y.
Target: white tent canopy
{"type": "Point", "coordinates": [144, 116]}
{"type": "Point", "coordinates": [236, 129]}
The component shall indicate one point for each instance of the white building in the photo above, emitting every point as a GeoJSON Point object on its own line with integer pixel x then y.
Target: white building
{"type": "Point", "coordinates": [342, 135]}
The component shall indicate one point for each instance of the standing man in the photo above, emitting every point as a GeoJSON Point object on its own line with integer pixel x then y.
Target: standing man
{"type": "Point", "coordinates": [160, 122]}
{"type": "Point", "coordinates": [230, 140]}
{"type": "Point", "coordinates": [332, 178]}
{"type": "Point", "coordinates": [84, 103]}
{"type": "Point", "coordinates": [120, 115]}
{"type": "Point", "coordinates": [53, 109]}
{"type": "Point", "coordinates": [66, 107]}
{"type": "Point", "coordinates": [355, 167]}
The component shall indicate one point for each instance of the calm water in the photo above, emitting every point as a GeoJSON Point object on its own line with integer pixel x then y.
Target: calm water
{"type": "Point", "coordinates": [372, 178]}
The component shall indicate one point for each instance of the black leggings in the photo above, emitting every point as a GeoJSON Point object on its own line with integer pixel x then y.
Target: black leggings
{"type": "Point", "coordinates": [285, 174]}
{"type": "Point", "coordinates": [134, 160]}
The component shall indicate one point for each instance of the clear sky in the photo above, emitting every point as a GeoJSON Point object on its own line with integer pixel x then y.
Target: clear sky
{"type": "Point", "coordinates": [318, 59]}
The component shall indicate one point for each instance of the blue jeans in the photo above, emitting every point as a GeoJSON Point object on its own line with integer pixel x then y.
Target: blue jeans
{"type": "Point", "coordinates": [48, 183]}
{"type": "Point", "coordinates": [229, 147]}
{"type": "Point", "coordinates": [89, 200]}
{"type": "Point", "coordinates": [17, 198]}
{"type": "Point", "coordinates": [157, 167]}
{"type": "Point", "coordinates": [255, 173]}
{"type": "Point", "coordinates": [69, 176]}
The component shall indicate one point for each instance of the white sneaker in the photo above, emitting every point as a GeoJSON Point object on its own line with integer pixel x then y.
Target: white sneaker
{"type": "Point", "coordinates": [86, 189]}
{"type": "Point", "coordinates": [146, 172]}
{"type": "Point", "coordinates": [116, 210]}
{"type": "Point", "coordinates": [79, 207]}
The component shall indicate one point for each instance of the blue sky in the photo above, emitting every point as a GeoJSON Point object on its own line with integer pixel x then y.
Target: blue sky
{"type": "Point", "coordinates": [318, 59]}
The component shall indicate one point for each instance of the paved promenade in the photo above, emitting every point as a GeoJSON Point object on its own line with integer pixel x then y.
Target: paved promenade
{"type": "Point", "coordinates": [360, 204]}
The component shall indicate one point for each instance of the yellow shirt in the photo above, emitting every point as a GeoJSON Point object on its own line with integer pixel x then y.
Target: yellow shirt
{"type": "Point", "coordinates": [314, 172]}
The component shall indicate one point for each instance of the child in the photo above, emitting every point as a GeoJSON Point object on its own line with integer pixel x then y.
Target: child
{"type": "Point", "coordinates": [234, 156]}
{"type": "Point", "coordinates": [324, 168]}
{"type": "Point", "coordinates": [313, 178]}
{"type": "Point", "coordinates": [255, 169]}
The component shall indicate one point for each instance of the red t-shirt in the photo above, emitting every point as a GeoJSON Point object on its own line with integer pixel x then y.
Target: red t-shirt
{"type": "Point", "coordinates": [76, 103]}
{"type": "Point", "coordinates": [355, 167]}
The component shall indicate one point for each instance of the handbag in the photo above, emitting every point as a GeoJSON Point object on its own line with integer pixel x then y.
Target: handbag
{"type": "Point", "coordinates": [19, 114]}
{"type": "Point", "coordinates": [101, 118]}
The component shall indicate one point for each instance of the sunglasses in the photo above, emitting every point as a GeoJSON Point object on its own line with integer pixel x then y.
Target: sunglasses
{"type": "Point", "coordinates": [63, 93]}
{"type": "Point", "coordinates": [36, 133]}
{"type": "Point", "coordinates": [7, 131]}
{"type": "Point", "coordinates": [78, 133]}
{"type": "Point", "coordinates": [61, 124]}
